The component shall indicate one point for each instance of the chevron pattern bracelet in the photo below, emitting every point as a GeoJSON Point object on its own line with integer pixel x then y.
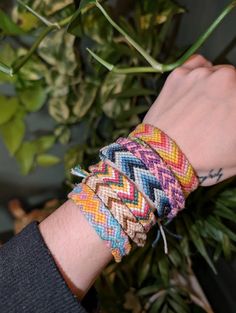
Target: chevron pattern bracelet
{"type": "Point", "coordinates": [170, 153]}
{"type": "Point", "coordinates": [102, 220]}
{"type": "Point", "coordinates": [127, 192]}
{"type": "Point", "coordinates": [137, 171]}
{"type": "Point", "coordinates": [158, 168]}
{"type": "Point", "coordinates": [119, 210]}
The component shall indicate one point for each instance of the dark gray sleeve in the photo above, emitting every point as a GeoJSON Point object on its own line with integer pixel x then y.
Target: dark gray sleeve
{"type": "Point", "coordinates": [30, 281]}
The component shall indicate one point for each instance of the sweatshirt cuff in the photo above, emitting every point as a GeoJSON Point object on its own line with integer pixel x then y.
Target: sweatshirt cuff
{"type": "Point", "coordinates": [30, 281]}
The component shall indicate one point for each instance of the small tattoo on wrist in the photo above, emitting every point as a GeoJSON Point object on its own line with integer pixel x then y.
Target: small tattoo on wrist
{"type": "Point", "coordinates": [212, 174]}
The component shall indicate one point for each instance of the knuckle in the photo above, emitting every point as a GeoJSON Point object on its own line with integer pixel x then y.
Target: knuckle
{"type": "Point", "coordinates": [179, 72]}
{"type": "Point", "coordinates": [227, 72]}
{"type": "Point", "coordinates": [200, 58]}
{"type": "Point", "coordinates": [200, 72]}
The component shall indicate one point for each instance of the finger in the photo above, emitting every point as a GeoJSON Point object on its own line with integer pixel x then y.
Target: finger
{"type": "Point", "coordinates": [196, 61]}
{"type": "Point", "coordinates": [221, 66]}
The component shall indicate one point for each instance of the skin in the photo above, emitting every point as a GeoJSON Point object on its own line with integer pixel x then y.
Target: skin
{"type": "Point", "coordinates": [197, 108]}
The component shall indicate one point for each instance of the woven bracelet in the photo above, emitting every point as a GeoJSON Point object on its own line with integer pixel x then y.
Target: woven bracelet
{"type": "Point", "coordinates": [101, 220]}
{"type": "Point", "coordinates": [137, 171]}
{"type": "Point", "coordinates": [119, 210]}
{"type": "Point", "coordinates": [160, 170]}
{"type": "Point", "coordinates": [127, 192]}
{"type": "Point", "coordinates": [170, 153]}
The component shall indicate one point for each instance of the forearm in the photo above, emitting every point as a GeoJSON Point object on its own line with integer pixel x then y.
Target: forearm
{"type": "Point", "coordinates": [78, 251]}
{"type": "Point", "coordinates": [195, 100]}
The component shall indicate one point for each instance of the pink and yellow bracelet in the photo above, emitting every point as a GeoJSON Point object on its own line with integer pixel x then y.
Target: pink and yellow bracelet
{"type": "Point", "coordinates": [170, 153]}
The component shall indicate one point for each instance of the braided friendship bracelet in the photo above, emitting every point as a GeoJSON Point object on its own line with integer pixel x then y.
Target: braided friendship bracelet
{"type": "Point", "coordinates": [170, 153]}
{"type": "Point", "coordinates": [127, 192]}
{"type": "Point", "coordinates": [158, 168]}
{"type": "Point", "coordinates": [137, 171]}
{"type": "Point", "coordinates": [101, 220]}
{"type": "Point", "coordinates": [118, 209]}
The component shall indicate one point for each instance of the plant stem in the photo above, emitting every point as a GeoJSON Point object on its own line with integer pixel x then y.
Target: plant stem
{"type": "Point", "coordinates": [65, 21]}
{"type": "Point", "coordinates": [161, 68]}
{"type": "Point", "coordinates": [17, 66]}
{"type": "Point", "coordinates": [50, 27]}
{"type": "Point", "coordinates": [146, 56]}
{"type": "Point", "coordinates": [200, 40]}
{"type": "Point", "coordinates": [156, 67]}
{"type": "Point", "coordinates": [5, 69]}
{"type": "Point", "coordinates": [40, 17]}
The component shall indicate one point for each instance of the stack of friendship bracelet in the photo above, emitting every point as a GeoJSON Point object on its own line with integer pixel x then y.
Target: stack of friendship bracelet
{"type": "Point", "coordinates": [140, 181]}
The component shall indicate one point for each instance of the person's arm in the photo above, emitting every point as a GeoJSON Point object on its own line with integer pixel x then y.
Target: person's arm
{"type": "Point", "coordinates": [197, 107]}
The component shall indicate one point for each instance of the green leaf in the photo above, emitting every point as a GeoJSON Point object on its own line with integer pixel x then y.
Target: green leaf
{"type": "Point", "coordinates": [47, 160]}
{"type": "Point", "coordinates": [44, 143]}
{"type": "Point", "coordinates": [86, 97]}
{"type": "Point", "coordinates": [113, 107]}
{"type": "Point", "coordinates": [8, 107]}
{"type": "Point", "coordinates": [177, 307]}
{"type": "Point", "coordinates": [178, 299]}
{"type": "Point", "coordinates": [34, 70]}
{"type": "Point", "coordinates": [25, 156]}
{"type": "Point", "coordinates": [63, 134]}
{"type": "Point", "coordinates": [226, 245]}
{"type": "Point", "coordinates": [223, 211]}
{"type": "Point", "coordinates": [74, 156]}
{"type": "Point", "coordinates": [13, 133]}
{"type": "Point", "coordinates": [175, 257]}
{"type": "Point", "coordinates": [5, 69]}
{"type": "Point", "coordinates": [28, 21]}
{"type": "Point", "coordinates": [37, 15]}
{"type": "Point", "coordinates": [7, 54]}
{"type": "Point", "coordinates": [83, 7]}
{"type": "Point", "coordinates": [157, 305]}
{"type": "Point", "coordinates": [112, 84]}
{"type": "Point", "coordinates": [217, 252]}
{"type": "Point", "coordinates": [7, 57]}
{"type": "Point", "coordinates": [8, 26]}
{"type": "Point", "coordinates": [58, 109]}
{"type": "Point", "coordinates": [33, 98]}
{"type": "Point", "coordinates": [163, 265]}
{"type": "Point", "coordinates": [86, 3]}
{"type": "Point", "coordinates": [198, 242]}
{"type": "Point", "coordinates": [166, 309]}
{"type": "Point", "coordinates": [148, 290]}
{"type": "Point", "coordinates": [222, 227]}
{"type": "Point", "coordinates": [145, 268]}
{"type": "Point", "coordinates": [212, 232]}
{"type": "Point", "coordinates": [134, 92]}
{"type": "Point", "coordinates": [228, 198]}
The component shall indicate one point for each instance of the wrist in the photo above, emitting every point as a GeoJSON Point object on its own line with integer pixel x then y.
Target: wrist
{"type": "Point", "coordinates": [78, 251]}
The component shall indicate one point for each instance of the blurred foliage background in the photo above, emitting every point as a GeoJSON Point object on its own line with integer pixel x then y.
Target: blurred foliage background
{"type": "Point", "coordinates": [91, 107]}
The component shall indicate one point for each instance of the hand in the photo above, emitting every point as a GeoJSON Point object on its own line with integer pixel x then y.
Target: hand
{"type": "Point", "coordinates": [197, 108]}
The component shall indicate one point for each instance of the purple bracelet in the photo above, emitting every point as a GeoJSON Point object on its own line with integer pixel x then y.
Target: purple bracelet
{"type": "Point", "coordinates": [159, 169]}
